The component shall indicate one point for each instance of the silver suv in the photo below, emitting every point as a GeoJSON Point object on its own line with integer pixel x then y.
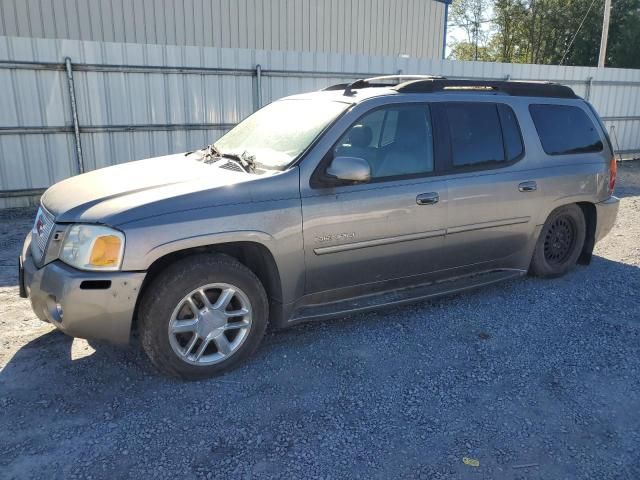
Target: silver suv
{"type": "Point", "coordinates": [380, 192]}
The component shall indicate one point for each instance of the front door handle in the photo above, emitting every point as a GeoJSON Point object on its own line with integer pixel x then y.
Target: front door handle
{"type": "Point", "coordinates": [428, 198]}
{"type": "Point", "coordinates": [528, 186]}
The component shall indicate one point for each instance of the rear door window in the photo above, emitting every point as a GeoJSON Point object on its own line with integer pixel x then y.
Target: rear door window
{"type": "Point", "coordinates": [482, 133]}
{"type": "Point", "coordinates": [565, 130]}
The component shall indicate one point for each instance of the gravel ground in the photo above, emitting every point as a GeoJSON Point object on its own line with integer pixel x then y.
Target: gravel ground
{"type": "Point", "coordinates": [534, 379]}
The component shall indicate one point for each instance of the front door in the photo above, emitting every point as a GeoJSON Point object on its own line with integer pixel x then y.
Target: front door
{"type": "Point", "coordinates": [390, 228]}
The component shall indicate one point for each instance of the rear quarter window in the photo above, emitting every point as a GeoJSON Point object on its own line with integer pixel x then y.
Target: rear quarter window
{"type": "Point", "coordinates": [565, 130]}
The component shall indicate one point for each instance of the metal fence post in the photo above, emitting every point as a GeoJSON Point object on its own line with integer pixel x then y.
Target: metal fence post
{"type": "Point", "coordinates": [258, 101]}
{"type": "Point", "coordinates": [587, 93]}
{"type": "Point", "coordinates": [74, 115]}
{"type": "Point", "coordinates": [15, 186]}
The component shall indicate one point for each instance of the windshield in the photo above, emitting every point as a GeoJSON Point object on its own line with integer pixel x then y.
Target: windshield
{"type": "Point", "coordinates": [275, 135]}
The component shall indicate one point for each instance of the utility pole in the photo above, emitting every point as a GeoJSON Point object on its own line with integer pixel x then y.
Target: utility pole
{"type": "Point", "coordinates": [605, 33]}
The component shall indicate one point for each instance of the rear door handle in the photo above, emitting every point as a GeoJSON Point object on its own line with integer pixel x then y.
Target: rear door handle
{"type": "Point", "coordinates": [528, 186]}
{"type": "Point", "coordinates": [428, 198]}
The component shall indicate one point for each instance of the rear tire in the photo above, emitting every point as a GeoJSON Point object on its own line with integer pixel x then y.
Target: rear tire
{"type": "Point", "coordinates": [560, 243]}
{"type": "Point", "coordinates": [202, 316]}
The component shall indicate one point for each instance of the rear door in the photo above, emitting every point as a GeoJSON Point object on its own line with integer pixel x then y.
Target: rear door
{"type": "Point", "coordinates": [390, 228]}
{"type": "Point", "coordinates": [492, 195]}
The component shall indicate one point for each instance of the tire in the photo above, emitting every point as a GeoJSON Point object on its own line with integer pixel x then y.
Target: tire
{"type": "Point", "coordinates": [560, 243]}
{"type": "Point", "coordinates": [189, 345]}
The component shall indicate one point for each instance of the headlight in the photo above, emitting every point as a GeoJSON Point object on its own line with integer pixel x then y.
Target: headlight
{"type": "Point", "coordinates": [93, 247]}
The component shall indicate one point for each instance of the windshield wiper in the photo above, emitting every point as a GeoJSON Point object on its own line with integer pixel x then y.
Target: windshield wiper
{"type": "Point", "coordinates": [249, 160]}
{"type": "Point", "coordinates": [245, 160]}
{"type": "Point", "coordinates": [209, 153]}
{"type": "Point", "coordinates": [212, 154]}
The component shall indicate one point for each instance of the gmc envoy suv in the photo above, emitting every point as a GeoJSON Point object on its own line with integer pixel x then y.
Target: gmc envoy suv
{"type": "Point", "coordinates": [375, 193]}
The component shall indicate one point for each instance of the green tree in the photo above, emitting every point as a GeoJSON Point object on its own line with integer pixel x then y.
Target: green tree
{"type": "Point", "coordinates": [471, 17]}
{"type": "Point", "coordinates": [624, 35]}
{"type": "Point", "coordinates": [509, 24]}
{"type": "Point", "coordinates": [552, 32]}
{"type": "Point", "coordinates": [470, 51]}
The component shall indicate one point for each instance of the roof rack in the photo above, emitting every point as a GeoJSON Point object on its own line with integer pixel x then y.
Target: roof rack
{"type": "Point", "coordinates": [381, 81]}
{"type": "Point", "coordinates": [398, 79]}
{"type": "Point", "coordinates": [430, 84]}
{"type": "Point", "coordinates": [509, 87]}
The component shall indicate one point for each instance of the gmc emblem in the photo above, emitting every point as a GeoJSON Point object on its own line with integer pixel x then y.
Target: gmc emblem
{"type": "Point", "coordinates": [39, 226]}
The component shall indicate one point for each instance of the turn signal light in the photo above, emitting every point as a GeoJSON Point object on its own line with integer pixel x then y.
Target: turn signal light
{"type": "Point", "coordinates": [105, 251]}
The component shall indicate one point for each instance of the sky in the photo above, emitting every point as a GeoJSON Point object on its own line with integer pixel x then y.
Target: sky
{"type": "Point", "coordinates": [456, 34]}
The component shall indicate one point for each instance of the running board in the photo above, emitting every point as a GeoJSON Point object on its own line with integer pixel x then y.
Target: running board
{"type": "Point", "coordinates": [401, 296]}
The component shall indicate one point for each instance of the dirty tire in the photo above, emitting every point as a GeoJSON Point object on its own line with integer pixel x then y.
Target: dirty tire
{"type": "Point", "coordinates": [560, 242]}
{"type": "Point", "coordinates": [167, 290]}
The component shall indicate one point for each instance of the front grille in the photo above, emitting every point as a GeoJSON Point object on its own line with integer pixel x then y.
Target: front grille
{"type": "Point", "coordinates": [42, 228]}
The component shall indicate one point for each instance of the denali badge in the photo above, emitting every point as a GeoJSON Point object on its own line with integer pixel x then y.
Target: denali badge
{"type": "Point", "coordinates": [335, 237]}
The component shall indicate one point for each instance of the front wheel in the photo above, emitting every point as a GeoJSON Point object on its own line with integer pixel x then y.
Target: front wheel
{"type": "Point", "coordinates": [202, 316]}
{"type": "Point", "coordinates": [560, 242]}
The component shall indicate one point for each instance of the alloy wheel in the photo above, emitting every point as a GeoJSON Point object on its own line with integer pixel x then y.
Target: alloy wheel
{"type": "Point", "coordinates": [210, 324]}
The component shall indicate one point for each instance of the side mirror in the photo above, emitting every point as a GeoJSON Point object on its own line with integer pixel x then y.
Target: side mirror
{"type": "Point", "coordinates": [349, 169]}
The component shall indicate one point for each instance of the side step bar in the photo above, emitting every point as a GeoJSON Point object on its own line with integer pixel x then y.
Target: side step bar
{"type": "Point", "coordinates": [401, 296]}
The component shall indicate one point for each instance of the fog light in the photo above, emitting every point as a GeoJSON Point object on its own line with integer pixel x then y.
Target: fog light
{"type": "Point", "coordinates": [59, 312]}
{"type": "Point", "coordinates": [54, 309]}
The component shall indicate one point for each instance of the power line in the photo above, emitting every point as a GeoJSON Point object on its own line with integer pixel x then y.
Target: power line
{"type": "Point", "coordinates": [577, 31]}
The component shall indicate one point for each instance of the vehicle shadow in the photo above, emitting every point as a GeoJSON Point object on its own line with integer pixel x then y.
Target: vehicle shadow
{"type": "Point", "coordinates": [99, 396]}
{"type": "Point", "coordinates": [14, 226]}
{"type": "Point", "coordinates": [628, 183]}
{"type": "Point", "coordinates": [56, 361]}
{"type": "Point", "coordinates": [9, 275]}
{"type": "Point", "coordinates": [624, 192]}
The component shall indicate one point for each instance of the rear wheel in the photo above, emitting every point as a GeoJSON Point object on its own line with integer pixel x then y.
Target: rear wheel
{"type": "Point", "coordinates": [560, 242]}
{"type": "Point", "coordinates": [202, 316]}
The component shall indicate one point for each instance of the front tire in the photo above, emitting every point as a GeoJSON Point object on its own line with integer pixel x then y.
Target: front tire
{"type": "Point", "coordinates": [560, 243]}
{"type": "Point", "coordinates": [202, 316]}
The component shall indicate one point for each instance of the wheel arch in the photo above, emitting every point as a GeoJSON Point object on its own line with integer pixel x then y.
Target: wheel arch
{"type": "Point", "coordinates": [589, 212]}
{"type": "Point", "coordinates": [254, 255]}
{"type": "Point", "coordinates": [591, 219]}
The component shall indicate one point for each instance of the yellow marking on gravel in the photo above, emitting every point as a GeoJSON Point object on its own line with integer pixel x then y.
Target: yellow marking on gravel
{"type": "Point", "coordinates": [472, 462]}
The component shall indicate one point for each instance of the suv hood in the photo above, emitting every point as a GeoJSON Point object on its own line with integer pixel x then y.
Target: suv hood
{"type": "Point", "coordinates": [144, 188]}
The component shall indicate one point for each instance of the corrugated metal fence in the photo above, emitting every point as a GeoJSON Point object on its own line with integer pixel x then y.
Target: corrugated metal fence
{"type": "Point", "coordinates": [369, 27]}
{"type": "Point", "coordinates": [135, 101]}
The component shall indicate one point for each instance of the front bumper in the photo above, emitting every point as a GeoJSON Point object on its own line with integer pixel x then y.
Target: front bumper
{"type": "Point", "coordinates": [91, 305]}
{"type": "Point", "coordinates": [606, 213]}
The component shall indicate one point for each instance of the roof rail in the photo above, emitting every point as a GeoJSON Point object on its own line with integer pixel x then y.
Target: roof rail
{"type": "Point", "coordinates": [510, 87]}
{"type": "Point", "coordinates": [398, 78]}
{"type": "Point", "coordinates": [431, 84]}
{"type": "Point", "coordinates": [380, 81]}
{"type": "Point", "coordinates": [337, 86]}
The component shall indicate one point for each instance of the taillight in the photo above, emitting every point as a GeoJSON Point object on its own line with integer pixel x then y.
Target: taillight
{"type": "Point", "coordinates": [613, 172]}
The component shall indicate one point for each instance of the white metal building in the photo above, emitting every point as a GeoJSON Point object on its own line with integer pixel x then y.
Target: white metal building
{"type": "Point", "coordinates": [367, 27]}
